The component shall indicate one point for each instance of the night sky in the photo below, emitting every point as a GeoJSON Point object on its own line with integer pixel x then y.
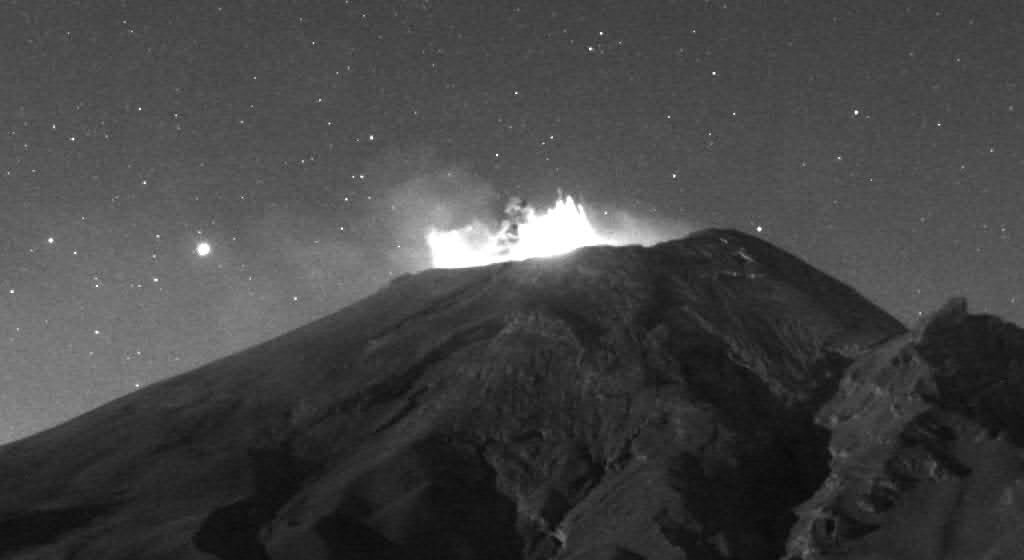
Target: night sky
{"type": "Point", "coordinates": [311, 143]}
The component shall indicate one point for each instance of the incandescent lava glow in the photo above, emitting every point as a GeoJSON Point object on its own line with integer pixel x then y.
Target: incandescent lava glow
{"type": "Point", "coordinates": [525, 233]}
{"type": "Point", "coordinates": [203, 249]}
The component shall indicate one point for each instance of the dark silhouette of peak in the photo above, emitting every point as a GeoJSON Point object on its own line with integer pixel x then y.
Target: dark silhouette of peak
{"type": "Point", "coordinates": [665, 402]}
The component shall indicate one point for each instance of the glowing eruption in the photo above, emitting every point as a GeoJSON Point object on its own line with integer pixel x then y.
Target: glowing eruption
{"type": "Point", "coordinates": [203, 249]}
{"type": "Point", "coordinates": [525, 233]}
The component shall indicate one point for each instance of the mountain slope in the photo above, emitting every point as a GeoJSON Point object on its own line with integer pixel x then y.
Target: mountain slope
{"type": "Point", "coordinates": [614, 403]}
{"type": "Point", "coordinates": [926, 440]}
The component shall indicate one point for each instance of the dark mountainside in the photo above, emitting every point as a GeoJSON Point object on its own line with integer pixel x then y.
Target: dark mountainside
{"type": "Point", "coordinates": [712, 397]}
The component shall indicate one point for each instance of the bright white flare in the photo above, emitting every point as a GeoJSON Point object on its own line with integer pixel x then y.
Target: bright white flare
{"type": "Point", "coordinates": [559, 230]}
{"type": "Point", "coordinates": [203, 249]}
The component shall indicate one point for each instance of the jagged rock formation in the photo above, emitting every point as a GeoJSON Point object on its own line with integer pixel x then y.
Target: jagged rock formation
{"type": "Point", "coordinates": [926, 443]}
{"type": "Point", "coordinates": [617, 403]}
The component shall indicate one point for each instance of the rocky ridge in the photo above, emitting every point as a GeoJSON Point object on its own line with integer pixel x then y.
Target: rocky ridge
{"type": "Point", "coordinates": [926, 448]}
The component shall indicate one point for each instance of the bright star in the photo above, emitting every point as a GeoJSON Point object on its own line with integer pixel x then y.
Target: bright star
{"type": "Point", "coordinates": [203, 249]}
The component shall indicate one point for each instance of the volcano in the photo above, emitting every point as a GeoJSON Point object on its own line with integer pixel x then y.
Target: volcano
{"type": "Point", "coordinates": [705, 398]}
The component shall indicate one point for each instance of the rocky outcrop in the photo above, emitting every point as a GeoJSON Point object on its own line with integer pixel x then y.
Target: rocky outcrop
{"type": "Point", "coordinates": [926, 448]}
{"type": "Point", "coordinates": [618, 403]}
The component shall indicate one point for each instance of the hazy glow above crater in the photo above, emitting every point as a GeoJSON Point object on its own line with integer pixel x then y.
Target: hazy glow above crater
{"type": "Point", "coordinates": [526, 233]}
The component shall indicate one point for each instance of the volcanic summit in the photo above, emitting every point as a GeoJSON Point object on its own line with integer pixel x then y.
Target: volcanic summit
{"type": "Point", "coordinates": [705, 398]}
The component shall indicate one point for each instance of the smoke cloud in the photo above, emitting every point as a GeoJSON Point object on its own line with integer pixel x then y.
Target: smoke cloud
{"type": "Point", "coordinates": [304, 260]}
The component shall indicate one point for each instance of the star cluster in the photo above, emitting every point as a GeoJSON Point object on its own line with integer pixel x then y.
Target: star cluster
{"type": "Point", "coordinates": [183, 180]}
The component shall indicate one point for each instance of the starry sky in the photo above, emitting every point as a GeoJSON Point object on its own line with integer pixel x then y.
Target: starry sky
{"type": "Point", "coordinates": [309, 144]}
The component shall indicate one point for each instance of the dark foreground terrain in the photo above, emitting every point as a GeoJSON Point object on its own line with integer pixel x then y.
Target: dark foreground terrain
{"type": "Point", "coordinates": [711, 397]}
